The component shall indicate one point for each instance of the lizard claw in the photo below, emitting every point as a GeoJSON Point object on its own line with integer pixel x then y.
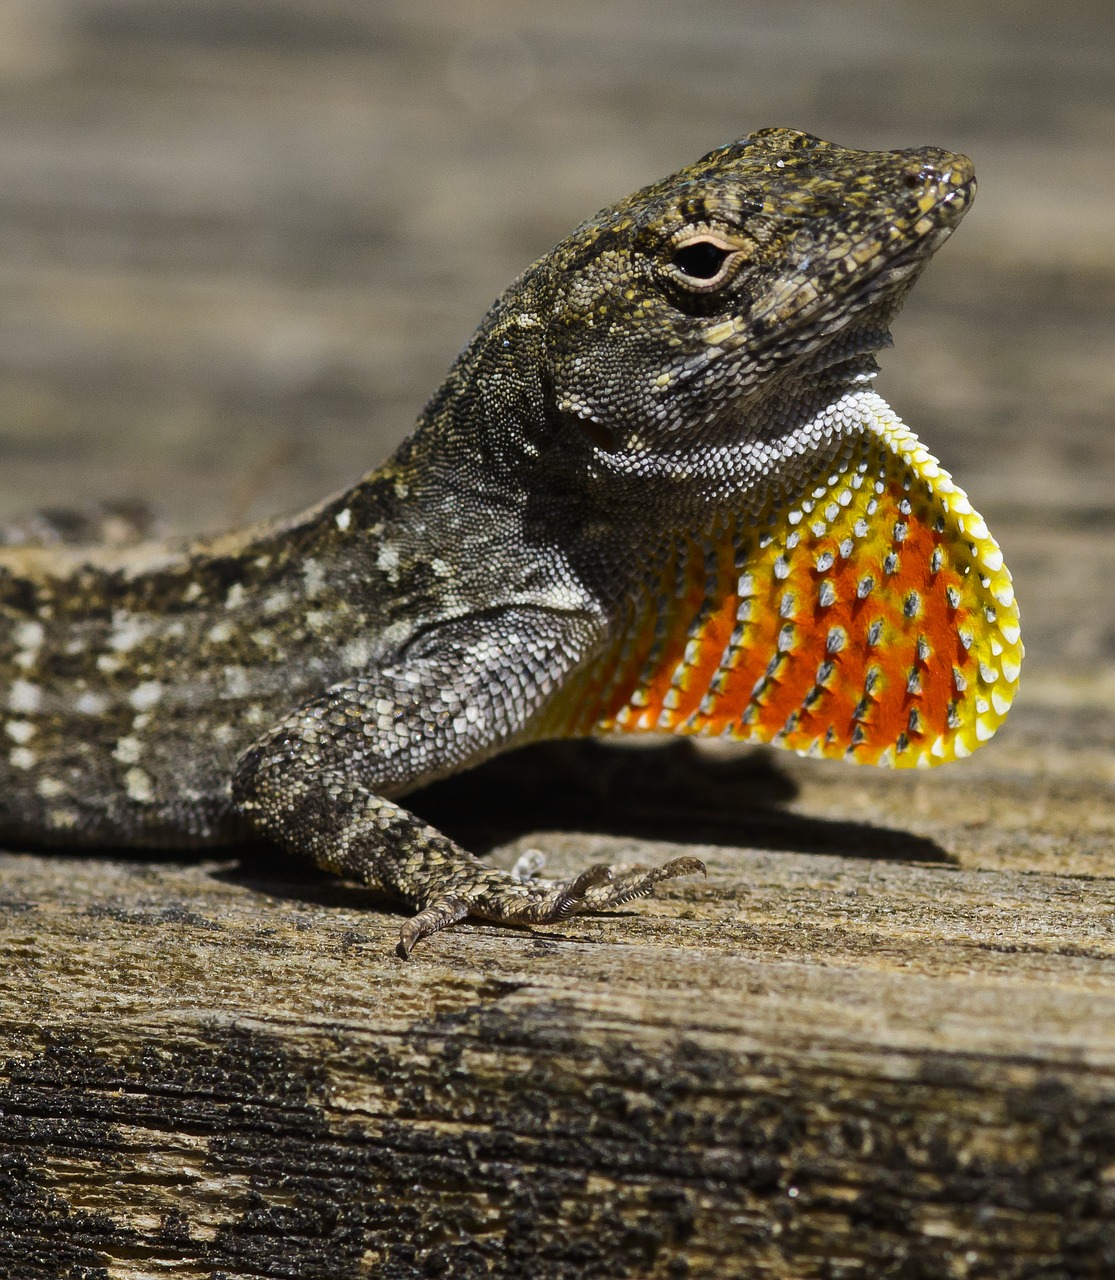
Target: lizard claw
{"type": "Point", "coordinates": [438, 915]}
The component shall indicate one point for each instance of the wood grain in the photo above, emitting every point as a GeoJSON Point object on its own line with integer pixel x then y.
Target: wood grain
{"type": "Point", "coordinates": [892, 1052]}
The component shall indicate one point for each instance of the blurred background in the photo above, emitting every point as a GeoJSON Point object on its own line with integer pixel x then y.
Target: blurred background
{"type": "Point", "coordinates": [241, 240]}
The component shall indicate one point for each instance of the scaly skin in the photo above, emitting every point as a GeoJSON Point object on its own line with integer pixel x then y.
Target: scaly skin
{"type": "Point", "coordinates": [655, 492]}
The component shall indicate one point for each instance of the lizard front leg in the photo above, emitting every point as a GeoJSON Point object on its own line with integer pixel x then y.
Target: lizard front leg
{"type": "Point", "coordinates": [320, 782]}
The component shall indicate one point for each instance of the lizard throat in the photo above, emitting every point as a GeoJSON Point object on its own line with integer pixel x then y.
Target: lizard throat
{"type": "Point", "coordinates": [868, 616]}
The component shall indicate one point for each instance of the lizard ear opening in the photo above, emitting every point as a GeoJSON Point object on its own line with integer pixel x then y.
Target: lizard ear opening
{"type": "Point", "coordinates": [598, 433]}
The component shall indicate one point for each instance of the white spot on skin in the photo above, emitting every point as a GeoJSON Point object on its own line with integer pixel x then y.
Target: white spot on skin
{"type": "Point", "coordinates": [343, 519]}
{"type": "Point", "coordinates": [276, 602]}
{"type": "Point", "coordinates": [22, 757]}
{"type": "Point", "coordinates": [50, 788]}
{"type": "Point", "coordinates": [128, 750]}
{"type": "Point", "coordinates": [236, 596]}
{"type": "Point", "coordinates": [318, 619]}
{"type": "Point", "coordinates": [20, 731]}
{"type": "Point", "coordinates": [236, 682]}
{"type": "Point", "coordinates": [836, 639]}
{"type": "Point", "coordinates": [91, 704]}
{"type": "Point", "coordinates": [127, 632]}
{"type": "Point", "coordinates": [222, 733]}
{"type": "Point", "coordinates": [357, 653]}
{"type": "Point", "coordinates": [387, 561]}
{"type": "Point", "coordinates": [219, 633]}
{"type": "Point", "coordinates": [192, 592]}
{"type": "Point", "coordinates": [25, 696]}
{"type": "Point", "coordinates": [146, 695]}
{"type": "Point", "coordinates": [314, 577]}
{"type": "Point", "coordinates": [28, 635]}
{"type": "Point", "coordinates": [109, 663]}
{"type": "Point", "coordinates": [137, 783]}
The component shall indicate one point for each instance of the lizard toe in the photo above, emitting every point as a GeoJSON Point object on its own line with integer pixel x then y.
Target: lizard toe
{"type": "Point", "coordinates": [632, 882]}
{"type": "Point", "coordinates": [437, 916]}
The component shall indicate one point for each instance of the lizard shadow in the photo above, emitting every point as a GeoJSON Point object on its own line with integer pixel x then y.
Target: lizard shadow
{"type": "Point", "coordinates": [672, 793]}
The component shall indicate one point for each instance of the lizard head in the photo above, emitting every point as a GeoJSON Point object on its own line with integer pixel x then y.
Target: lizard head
{"type": "Point", "coordinates": [774, 260]}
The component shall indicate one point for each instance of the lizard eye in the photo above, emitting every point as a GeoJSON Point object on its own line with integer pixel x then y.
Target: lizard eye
{"type": "Point", "coordinates": [703, 263]}
{"type": "Point", "coordinates": [703, 260]}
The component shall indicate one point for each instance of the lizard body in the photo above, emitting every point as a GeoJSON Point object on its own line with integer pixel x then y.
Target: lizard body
{"type": "Point", "coordinates": [655, 492]}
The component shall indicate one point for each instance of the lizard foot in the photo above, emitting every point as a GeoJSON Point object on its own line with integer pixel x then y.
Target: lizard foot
{"type": "Point", "coordinates": [508, 901]}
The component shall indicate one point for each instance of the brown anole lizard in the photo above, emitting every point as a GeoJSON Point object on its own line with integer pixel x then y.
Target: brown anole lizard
{"type": "Point", "coordinates": [656, 492]}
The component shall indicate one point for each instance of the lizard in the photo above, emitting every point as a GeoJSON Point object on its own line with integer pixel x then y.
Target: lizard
{"type": "Point", "coordinates": [656, 493]}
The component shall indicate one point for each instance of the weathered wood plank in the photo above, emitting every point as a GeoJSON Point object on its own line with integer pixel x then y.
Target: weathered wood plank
{"type": "Point", "coordinates": [817, 1064]}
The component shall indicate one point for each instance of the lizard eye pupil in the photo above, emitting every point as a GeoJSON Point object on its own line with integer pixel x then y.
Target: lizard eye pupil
{"type": "Point", "coordinates": [702, 259]}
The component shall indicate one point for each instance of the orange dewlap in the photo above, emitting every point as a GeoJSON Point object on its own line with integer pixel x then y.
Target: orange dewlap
{"type": "Point", "coordinates": [869, 618]}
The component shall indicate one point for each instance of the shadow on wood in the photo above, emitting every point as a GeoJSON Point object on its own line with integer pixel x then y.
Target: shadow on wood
{"type": "Point", "coordinates": [668, 792]}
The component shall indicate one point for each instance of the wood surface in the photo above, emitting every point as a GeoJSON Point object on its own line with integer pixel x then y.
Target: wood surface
{"type": "Point", "coordinates": [239, 243]}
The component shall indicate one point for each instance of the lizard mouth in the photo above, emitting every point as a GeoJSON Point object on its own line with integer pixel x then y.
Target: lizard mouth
{"type": "Point", "coordinates": [870, 273]}
{"type": "Point", "coordinates": [849, 358]}
{"type": "Point", "coordinates": [879, 291]}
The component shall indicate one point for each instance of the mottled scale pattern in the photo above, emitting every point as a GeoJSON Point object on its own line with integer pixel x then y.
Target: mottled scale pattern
{"type": "Point", "coordinates": [654, 493]}
{"type": "Point", "coordinates": [870, 619]}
